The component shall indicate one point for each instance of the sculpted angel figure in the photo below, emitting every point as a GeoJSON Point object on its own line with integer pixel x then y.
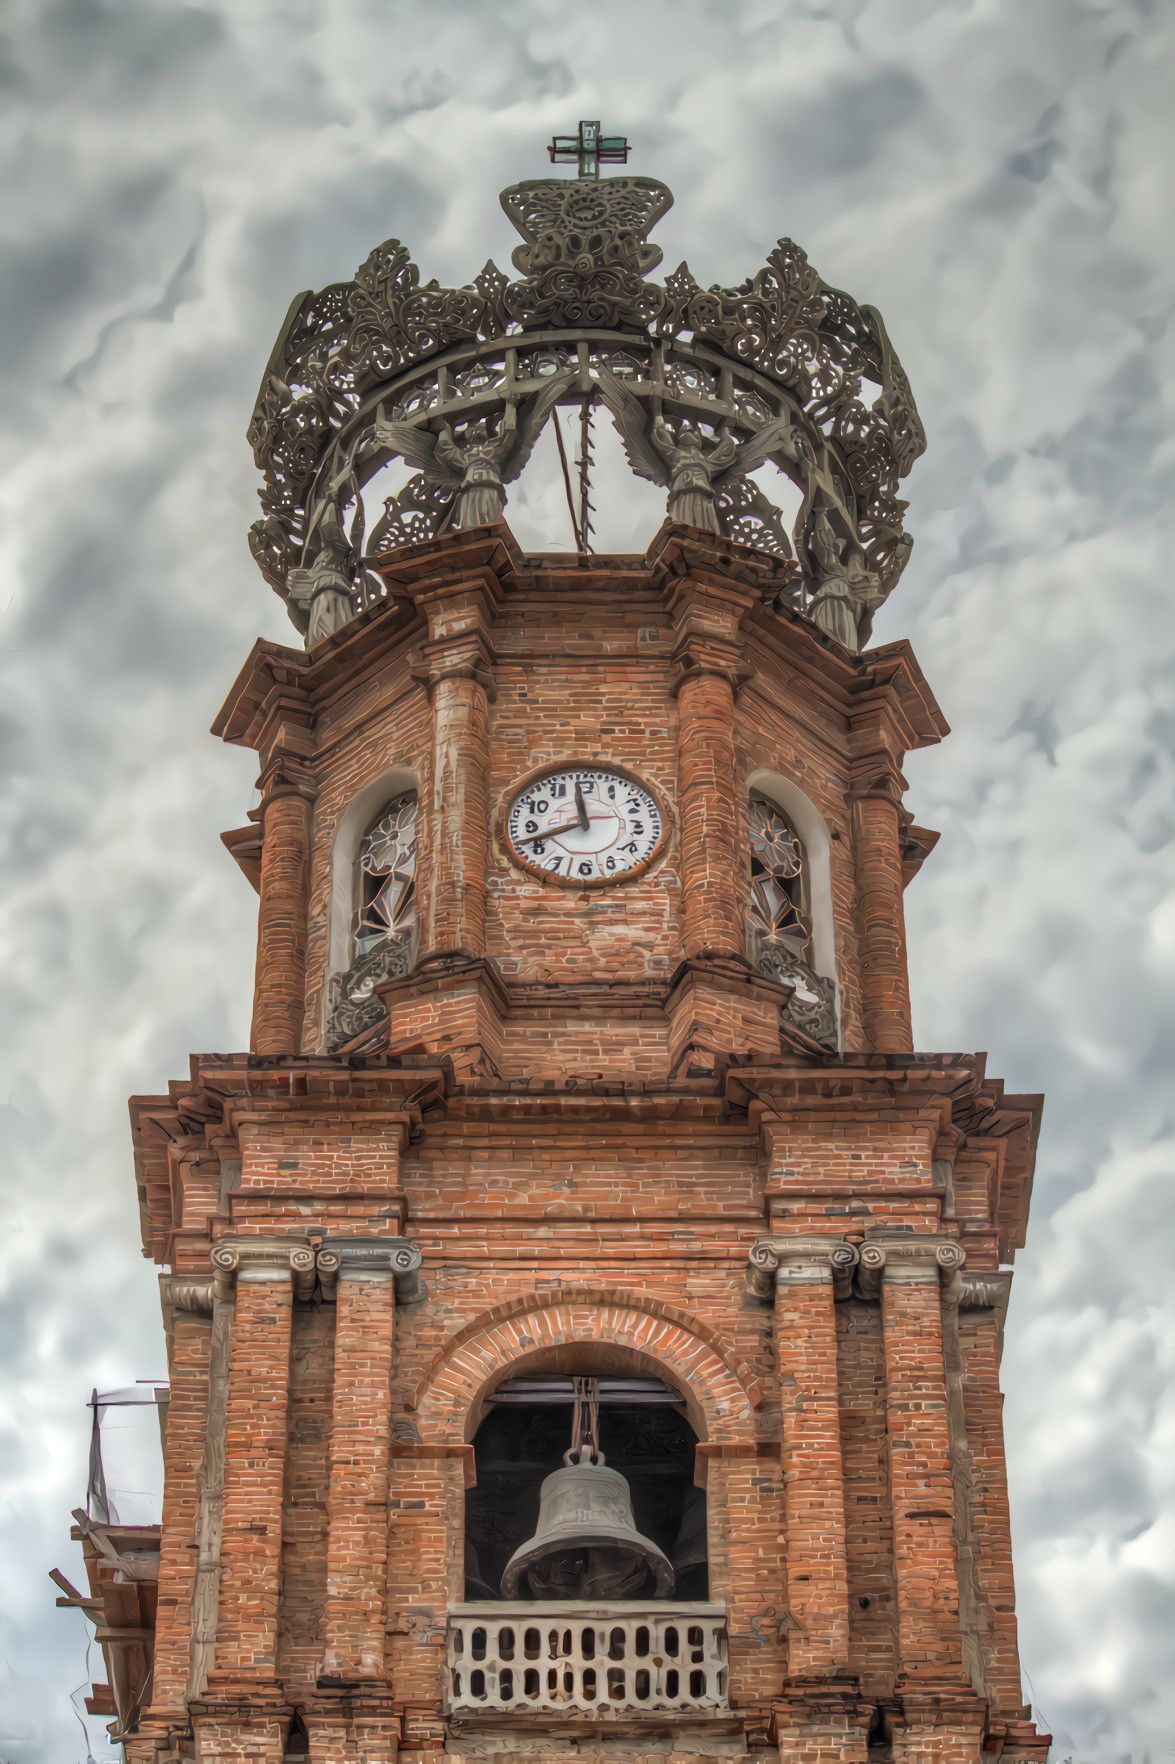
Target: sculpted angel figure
{"type": "Point", "coordinates": [478, 464]}
{"type": "Point", "coordinates": [694, 474]}
{"type": "Point", "coordinates": [848, 591]}
{"type": "Point", "coordinates": [323, 590]}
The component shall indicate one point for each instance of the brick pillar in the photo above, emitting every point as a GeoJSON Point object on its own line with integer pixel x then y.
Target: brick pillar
{"type": "Point", "coordinates": [187, 1308]}
{"type": "Point", "coordinates": [352, 1735]}
{"type": "Point", "coordinates": [455, 836]}
{"type": "Point", "coordinates": [279, 997]}
{"type": "Point", "coordinates": [707, 796]}
{"type": "Point", "coordinates": [907, 1268]}
{"type": "Point", "coordinates": [460, 826]}
{"type": "Point", "coordinates": [357, 1501]}
{"type": "Point", "coordinates": [708, 617]}
{"type": "Point", "coordinates": [263, 1271]}
{"type": "Point", "coordinates": [808, 1274]}
{"type": "Point", "coordinates": [881, 922]}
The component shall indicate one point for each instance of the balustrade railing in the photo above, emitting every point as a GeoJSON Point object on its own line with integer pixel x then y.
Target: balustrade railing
{"type": "Point", "coordinates": [587, 1659]}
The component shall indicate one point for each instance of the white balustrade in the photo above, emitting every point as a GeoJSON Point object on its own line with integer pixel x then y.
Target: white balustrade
{"type": "Point", "coordinates": [587, 1659]}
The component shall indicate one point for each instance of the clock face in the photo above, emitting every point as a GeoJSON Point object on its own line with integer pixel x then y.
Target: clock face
{"type": "Point", "coordinates": [584, 826]}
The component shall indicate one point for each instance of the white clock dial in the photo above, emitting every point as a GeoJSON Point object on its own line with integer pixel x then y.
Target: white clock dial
{"type": "Point", "coordinates": [584, 826]}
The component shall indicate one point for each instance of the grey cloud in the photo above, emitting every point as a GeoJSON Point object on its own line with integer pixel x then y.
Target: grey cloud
{"type": "Point", "coordinates": [986, 175]}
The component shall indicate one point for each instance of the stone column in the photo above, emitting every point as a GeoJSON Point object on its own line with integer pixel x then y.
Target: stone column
{"type": "Point", "coordinates": [707, 797]}
{"type": "Point", "coordinates": [906, 1266]}
{"type": "Point", "coordinates": [808, 1274]}
{"type": "Point", "coordinates": [708, 617]}
{"type": "Point", "coordinates": [279, 998]}
{"type": "Point", "coordinates": [366, 1271]}
{"type": "Point", "coordinates": [262, 1273]}
{"type": "Point", "coordinates": [881, 921]}
{"type": "Point", "coordinates": [457, 674]}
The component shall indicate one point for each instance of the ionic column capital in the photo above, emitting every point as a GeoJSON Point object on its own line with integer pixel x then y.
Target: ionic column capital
{"type": "Point", "coordinates": [393, 1259]}
{"type": "Point", "coordinates": [906, 1256]}
{"type": "Point", "coordinates": [795, 1261]}
{"type": "Point", "coordinates": [263, 1258]}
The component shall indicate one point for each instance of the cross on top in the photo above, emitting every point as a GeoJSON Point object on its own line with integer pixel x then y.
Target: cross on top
{"type": "Point", "coordinates": [590, 149]}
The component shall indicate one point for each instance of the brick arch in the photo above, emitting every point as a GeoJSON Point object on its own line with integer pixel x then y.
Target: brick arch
{"type": "Point", "coordinates": [719, 1388]}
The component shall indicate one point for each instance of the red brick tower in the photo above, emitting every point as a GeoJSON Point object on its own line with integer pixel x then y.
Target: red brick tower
{"type": "Point", "coordinates": [582, 1089]}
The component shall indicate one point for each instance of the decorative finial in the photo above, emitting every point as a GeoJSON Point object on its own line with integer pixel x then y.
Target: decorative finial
{"type": "Point", "coordinates": [590, 149]}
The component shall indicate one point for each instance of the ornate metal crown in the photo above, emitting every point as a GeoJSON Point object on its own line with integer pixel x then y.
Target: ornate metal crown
{"type": "Point", "coordinates": [704, 385]}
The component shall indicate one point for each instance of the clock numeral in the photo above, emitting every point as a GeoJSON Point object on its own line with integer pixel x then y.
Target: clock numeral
{"type": "Point", "coordinates": [611, 793]}
{"type": "Point", "coordinates": [541, 808]}
{"type": "Point", "coordinates": [540, 848]}
{"type": "Point", "coordinates": [586, 869]}
{"type": "Point", "coordinates": [531, 827]}
{"type": "Point", "coordinates": [632, 847]}
{"type": "Point", "coordinates": [637, 827]}
{"type": "Point", "coordinates": [610, 863]}
{"type": "Point", "coordinates": [554, 864]}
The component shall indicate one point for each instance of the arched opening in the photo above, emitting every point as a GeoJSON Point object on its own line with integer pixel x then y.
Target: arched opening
{"type": "Point", "coordinates": [359, 815]}
{"type": "Point", "coordinates": [373, 903]}
{"type": "Point", "coordinates": [790, 931]}
{"type": "Point", "coordinates": [812, 829]}
{"type": "Point", "coordinates": [645, 1437]}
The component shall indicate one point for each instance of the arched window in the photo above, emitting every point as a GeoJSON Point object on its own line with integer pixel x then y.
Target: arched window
{"type": "Point", "coordinates": [383, 920]}
{"type": "Point", "coordinates": [780, 916]}
{"type": "Point", "coordinates": [780, 932]}
{"type": "Point", "coordinates": [385, 876]}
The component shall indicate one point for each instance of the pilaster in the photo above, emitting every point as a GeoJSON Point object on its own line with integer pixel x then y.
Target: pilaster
{"type": "Point", "coordinates": [456, 671]}
{"type": "Point", "coordinates": [709, 652]}
{"type": "Point", "coordinates": [806, 1275]}
{"type": "Point", "coordinates": [261, 1273]}
{"type": "Point", "coordinates": [279, 997]}
{"type": "Point", "coordinates": [907, 1267]}
{"type": "Point", "coordinates": [364, 1272]}
{"type": "Point", "coordinates": [881, 922]}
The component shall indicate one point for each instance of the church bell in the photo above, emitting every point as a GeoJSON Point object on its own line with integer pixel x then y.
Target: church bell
{"type": "Point", "coordinates": [586, 1545]}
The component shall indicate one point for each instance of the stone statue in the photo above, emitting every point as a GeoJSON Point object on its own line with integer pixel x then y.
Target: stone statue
{"type": "Point", "coordinates": [692, 499]}
{"type": "Point", "coordinates": [478, 465]}
{"type": "Point", "coordinates": [325, 589]}
{"type": "Point", "coordinates": [694, 475]}
{"type": "Point", "coordinates": [847, 589]}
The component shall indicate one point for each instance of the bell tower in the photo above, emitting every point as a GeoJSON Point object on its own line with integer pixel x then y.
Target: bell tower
{"type": "Point", "coordinates": [584, 1306]}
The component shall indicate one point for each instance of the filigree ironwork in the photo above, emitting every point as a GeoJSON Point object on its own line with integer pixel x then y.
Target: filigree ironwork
{"type": "Point", "coordinates": [352, 1005]}
{"type": "Point", "coordinates": [812, 1005]}
{"type": "Point", "coordinates": [386, 874]}
{"type": "Point", "coordinates": [718, 380]}
{"type": "Point", "coordinates": [779, 880]}
{"type": "Point", "coordinates": [420, 510]}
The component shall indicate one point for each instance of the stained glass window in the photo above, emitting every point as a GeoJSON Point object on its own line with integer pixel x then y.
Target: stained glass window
{"type": "Point", "coordinates": [386, 875]}
{"type": "Point", "coordinates": [779, 880]}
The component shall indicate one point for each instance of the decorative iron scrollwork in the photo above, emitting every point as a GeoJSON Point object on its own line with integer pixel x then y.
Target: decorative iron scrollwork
{"type": "Point", "coordinates": [352, 1006]}
{"type": "Point", "coordinates": [782, 359]}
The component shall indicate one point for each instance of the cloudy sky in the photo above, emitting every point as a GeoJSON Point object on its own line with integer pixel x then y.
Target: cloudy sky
{"type": "Point", "coordinates": [989, 173]}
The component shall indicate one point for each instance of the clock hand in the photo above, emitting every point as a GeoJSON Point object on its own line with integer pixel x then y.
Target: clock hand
{"type": "Point", "coordinates": [549, 833]}
{"type": "Point", "coordinates": [581, 809]}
